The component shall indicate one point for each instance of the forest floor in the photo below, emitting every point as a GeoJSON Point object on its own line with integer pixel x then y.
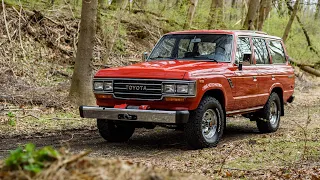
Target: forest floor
{"type": "Point", "coordinates": [291, 152]}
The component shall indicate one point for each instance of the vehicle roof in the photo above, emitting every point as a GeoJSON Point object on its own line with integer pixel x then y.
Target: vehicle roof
{"type": "Point", "coordinates": [233, 32]}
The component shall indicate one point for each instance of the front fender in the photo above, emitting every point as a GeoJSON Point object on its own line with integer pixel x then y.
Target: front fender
{"type": "Point", "coordinates": [210, 86]}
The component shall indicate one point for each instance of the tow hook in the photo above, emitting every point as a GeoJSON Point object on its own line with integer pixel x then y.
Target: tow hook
{"type": "Point", "coordinates": [127, 116]}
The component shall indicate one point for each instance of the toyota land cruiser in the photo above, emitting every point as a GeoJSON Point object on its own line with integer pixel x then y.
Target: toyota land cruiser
{"type": "Point", "coordinates": [193, 80]}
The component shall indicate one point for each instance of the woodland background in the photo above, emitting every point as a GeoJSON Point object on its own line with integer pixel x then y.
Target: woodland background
{"type": "Point", "coordinates": [40, 46]}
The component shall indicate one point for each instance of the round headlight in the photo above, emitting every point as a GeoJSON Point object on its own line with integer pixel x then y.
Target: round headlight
{"type": "Point", "coordinates": [183, 88]}
{"type": "Point", "coordinates": [169, 88]}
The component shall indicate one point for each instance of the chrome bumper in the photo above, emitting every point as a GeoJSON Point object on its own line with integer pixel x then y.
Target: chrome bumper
{"type": "Point", "coordinates": [154, 116]}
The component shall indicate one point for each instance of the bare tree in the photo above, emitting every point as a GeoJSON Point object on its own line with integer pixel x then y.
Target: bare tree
{"type": "Point", "coordinates": [293, 15]}
{"type": "Point", "coordinates": [102, 4]}
{"type": "Point", "coordinates": [251, 15]}
{"type": "Point", "coordinates": [81, 85]}
{"type": "Point", "coordinates": [120, 10]}
{"type": "Point", "coordinates": [316, 15]}
{"type": "Point", "coordinates": [233, 8]}
{"type": "Point", "coordinates": [265, 8]}
{"type": "Point", "coordinates": [191, 12]}
{"type": "Point", "coordinates": [280, 8]}
{"type": "Point", "coordinates": [305, 32]}
{"type": "Point", "coordinates": [243, 10]}
{"type": "Point", "coordinates": [216, 14]}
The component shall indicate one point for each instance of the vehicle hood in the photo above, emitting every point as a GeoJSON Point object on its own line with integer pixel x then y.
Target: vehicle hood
{"type": "Point", "coordinates": [164, 69]}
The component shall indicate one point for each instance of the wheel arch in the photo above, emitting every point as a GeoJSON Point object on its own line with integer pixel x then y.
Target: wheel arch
{"type": "Point", "coordinates": [279, 91]}
{"type": "Point", "coordinates": [217, 94]}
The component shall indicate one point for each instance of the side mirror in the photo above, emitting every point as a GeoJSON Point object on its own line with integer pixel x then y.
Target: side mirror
{"type": "Point", "coordinates": [145, 56]}
{"type": "Point", "coordinates": [246, 57]}
{"type": "Point", "coordinates": [240, 64]}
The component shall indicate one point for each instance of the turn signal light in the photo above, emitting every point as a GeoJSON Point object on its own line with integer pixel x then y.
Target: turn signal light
{"type": "Point", "coordinates": [176, 99]}
{"type": "Point", "coordinates": [103, 96]}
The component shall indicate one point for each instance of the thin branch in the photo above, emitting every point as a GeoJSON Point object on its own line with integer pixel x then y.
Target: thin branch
{"type": "Point", "coordinates": [225, 159]}
{"type": "Point", "coordinates": [69, 8]}
{"type": "Point", "coordinates": [56, 118]}
{"type": "Point", "coordinates": [5, 20]}
{"type": "Point", "coordinates": [20, 39]}
{"type": "Point", "coordinates": [29, 115]}
{"type": "Point", "coordinates": [20, 109]}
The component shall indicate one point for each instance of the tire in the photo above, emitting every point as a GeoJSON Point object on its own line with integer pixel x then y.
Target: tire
{"type": "Point", "coordinates": [269, 120]}
{"type": "Point", "coordinates": [197, 130]}
{"type": "Point", "coordinates": [113, 132]}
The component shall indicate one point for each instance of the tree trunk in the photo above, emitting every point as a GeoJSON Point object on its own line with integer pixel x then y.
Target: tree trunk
{"type": "Point", "coordinates": [243, 10]}
{"type": "Point", "coordinates": [216, 14]}
{"type": "Point", "coordinates": [268, 8]}
{"type": "Point", "coordinates": [293, 15]}
{"type": "Point", "coordinates": [191, 12]}
{"type": "Point", "coordinates": [81, 85]}
{"type": "Point", "coordinates": [305, 32]}
{"type": "Point", "coordinates": [265, 7]}
{"type": "Point", "coordinates": [117, 4]}
{"type": "Point", "coordinates": [101, 6]}
{"type": "Point", "coordinates": [251, 15]}
{"type": "Point", "coordinates": [316, 15]}
{"type": "Point", "coordinates": [141, 4]}
{"type": "Point", "coordinates": [310, 70]}
{"type": "Point", "coordinates": [280, 7]}
{"type": "Point", "coordinates": [233, 12]}
{"type": "Point", "coordinates": [115, 36]}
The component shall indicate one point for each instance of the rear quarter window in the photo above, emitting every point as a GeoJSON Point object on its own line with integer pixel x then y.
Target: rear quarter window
{"type": "Point", "coordinates": [260, 51]}
{"type": "Point", "coordinates": [276, 52]}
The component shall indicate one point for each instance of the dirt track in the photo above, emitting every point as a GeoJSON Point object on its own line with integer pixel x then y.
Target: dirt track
{"type": "Point", "coordinates": [144, 142]}
{"type": "Point", "coordinates": [167, 148]}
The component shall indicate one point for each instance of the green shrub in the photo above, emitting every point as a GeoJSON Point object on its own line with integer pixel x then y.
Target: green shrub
{"type": "Point", "coordinates": [31, 159]}
{"type": "Point", "coordinates": [12, 118]}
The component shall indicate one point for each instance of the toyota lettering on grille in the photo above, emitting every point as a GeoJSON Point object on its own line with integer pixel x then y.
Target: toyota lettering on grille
{"type": "Point", "coordinates": [136, 88]}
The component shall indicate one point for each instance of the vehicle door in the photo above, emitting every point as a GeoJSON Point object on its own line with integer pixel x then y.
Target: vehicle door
{"type": "Point", "coordinates": [265, 70]}
{"type": "Point", "coordinates": [246, 79]}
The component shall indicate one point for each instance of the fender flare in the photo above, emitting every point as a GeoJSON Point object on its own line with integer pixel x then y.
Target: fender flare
{"type": "Point", "coordinates": [213, 86]}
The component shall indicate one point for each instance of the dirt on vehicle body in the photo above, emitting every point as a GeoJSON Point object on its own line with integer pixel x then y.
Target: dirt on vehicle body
{"type": "Point", "coordinates": [192, 80]}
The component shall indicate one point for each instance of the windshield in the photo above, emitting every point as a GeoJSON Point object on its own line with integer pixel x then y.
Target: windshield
{"type": "Point", "coordinates": [215, 47]}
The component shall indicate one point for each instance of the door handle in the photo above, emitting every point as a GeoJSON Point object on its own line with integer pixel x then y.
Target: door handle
{"type": "Point", "coordinates": [254, 78]}
{"type": "Point", "coordinates": [273, 77]}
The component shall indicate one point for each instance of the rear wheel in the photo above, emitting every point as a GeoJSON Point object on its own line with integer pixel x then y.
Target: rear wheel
{"type": "Point", "coordinates": [115, 132]}
{"type": "Point", "coordinates": [269, 120]}
{"type": "Point", "coordinates": [206, 124]}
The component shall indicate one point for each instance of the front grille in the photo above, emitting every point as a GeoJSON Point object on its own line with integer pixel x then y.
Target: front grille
{"type": "Point", "coordinates": [137, 89]}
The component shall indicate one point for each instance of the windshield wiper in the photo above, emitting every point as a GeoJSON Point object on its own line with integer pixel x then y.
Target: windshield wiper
{"type": "Point", "coordinates": [152, 58]}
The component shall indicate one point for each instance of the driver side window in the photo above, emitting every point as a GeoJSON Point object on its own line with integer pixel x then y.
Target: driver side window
{"type": "Point", "coordinates": [243, 51]}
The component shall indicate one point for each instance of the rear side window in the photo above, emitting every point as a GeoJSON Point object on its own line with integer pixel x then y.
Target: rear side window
{"type": "Point", "coordinates": [260, 51]}
{"type": "Point", "coordinates": [276, 52]}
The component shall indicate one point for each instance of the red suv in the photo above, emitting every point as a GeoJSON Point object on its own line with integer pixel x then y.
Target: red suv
{"type": "Point", "coordinates": [193, 80]}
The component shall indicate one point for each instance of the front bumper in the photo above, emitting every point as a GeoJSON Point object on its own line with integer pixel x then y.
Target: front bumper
{"type": "Point", "coordinates": [154, 116]}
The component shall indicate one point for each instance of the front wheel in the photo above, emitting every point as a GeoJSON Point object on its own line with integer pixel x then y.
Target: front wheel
{"type": "Point", "coordinates": [270, 115]}
{"type": "Point", "coordinates": [115, 132]}
{"type": "Point", "coordinates": [206, 124]}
